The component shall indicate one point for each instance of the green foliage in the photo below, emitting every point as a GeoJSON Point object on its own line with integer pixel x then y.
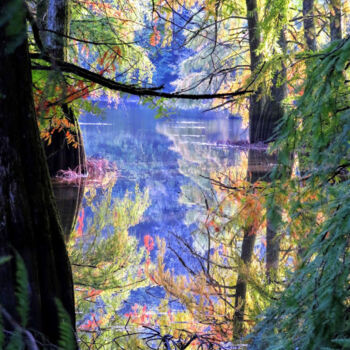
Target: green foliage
{"type": "Point", "coordinates": [20, 337]}
{"type": "Point", "coordinates": [313, 312]}
{"type": "Point", "coordinates": [107, 265]}
{"type": "Point", "coordinates": [22, 294]}
{"type": "Point", "coordinates": [113, 26]}
{"type": "Point", "coordinates": [67, 338]}
{"type": "Point", "coordinates": [4, 259]}
{"type": "Point", "coordinates": [276, 16]}
{"type": "Point", "coordinates": [106, 249]}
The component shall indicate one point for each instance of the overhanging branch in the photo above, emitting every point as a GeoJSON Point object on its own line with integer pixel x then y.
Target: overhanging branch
{"type": "Point", "coordinates": [129, 89]}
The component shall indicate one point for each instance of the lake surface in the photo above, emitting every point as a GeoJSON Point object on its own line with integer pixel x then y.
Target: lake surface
{"type": "Point", "coordinates": [173, 158]}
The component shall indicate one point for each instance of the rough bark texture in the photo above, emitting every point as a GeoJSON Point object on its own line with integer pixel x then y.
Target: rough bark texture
{"type": "Point", "coordinates": [264, 113]}
{"type": "Point", "coordinates": [309, 24]}
{"type": "Point", "coordinates": [336, 20]}
{"type": "Point", "coordinates": [28, 217]}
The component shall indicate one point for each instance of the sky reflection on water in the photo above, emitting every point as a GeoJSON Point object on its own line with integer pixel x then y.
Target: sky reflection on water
{"type": "Point", "coordinates": [172, 158]}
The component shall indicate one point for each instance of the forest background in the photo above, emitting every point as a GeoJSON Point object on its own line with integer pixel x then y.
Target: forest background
{"type": "Point", "coordinates": [282, 66]}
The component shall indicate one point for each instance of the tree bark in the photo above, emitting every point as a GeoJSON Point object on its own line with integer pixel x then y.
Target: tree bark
{"type": "Point", "coordinates": [256, 102]}
{"type": "Point", "coordinates": [53, 18]}
{"type": "Point", "coordinates": [28, 218]}
{"type": "Point", "coordinates": [335, 19]}
{"type": "Point", "coordinates": [309, 25]}
{"type": "Point", "coordinates": [264, 112]}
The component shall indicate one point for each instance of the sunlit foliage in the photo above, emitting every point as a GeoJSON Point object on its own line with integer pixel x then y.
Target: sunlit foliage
{"type": "Point", "coordinates": [107, 262]}
{"type": "Point", "coordinates": [313, 311]}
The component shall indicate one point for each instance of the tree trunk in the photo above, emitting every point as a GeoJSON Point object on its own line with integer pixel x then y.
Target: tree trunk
{"type": "Point", "coordinates": [241, 286]}
{"type": "Point", "coordinates": [28, 223]}
{"type": "Point", "coordinates": [272, 242]}
{"type": "Point", "coordinates": [309, 24]}
{"type": "Point", "coordinates": [264, 114]}
{"type": "Point", "coordinates": [276, 111]}
{"type": "Point", "coordinates": [255, 101]}
{"type": "Point", "coordinates": [68, 200]}
{"type": "Point", "coordinates": [53, 21]}
{"type": "Point", "coordinates": [336, 20]}
{"type": "Point", "coordinates": [259, 166]}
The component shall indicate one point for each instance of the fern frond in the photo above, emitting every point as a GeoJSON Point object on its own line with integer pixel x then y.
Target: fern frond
{"type": "Point", "coordinates": [67, 339]}
{"type": "Point", "coordinates": [22, 294]}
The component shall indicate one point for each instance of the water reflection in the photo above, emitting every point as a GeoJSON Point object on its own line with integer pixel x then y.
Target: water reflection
{"type": "Point", "coordinates": [173, 161]}
{"type": "Point", "coordinates": [170, 157]}
{"type": "Point", "coordinates": [68, 200]}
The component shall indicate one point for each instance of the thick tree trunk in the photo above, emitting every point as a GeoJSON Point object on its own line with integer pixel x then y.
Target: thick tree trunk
{"type": "Point", "coordinates": [28, 219]}
{"type": "Point", "coordinates": [272, 242]}
{"type": "Point", "coordinates": [309, 25]}
{"type": "Point", "coordinates": [53, 21]}
{"type": "Point", "coordinates": [336, 20]}
{"type": "Point", "coordinates": [264, 112]}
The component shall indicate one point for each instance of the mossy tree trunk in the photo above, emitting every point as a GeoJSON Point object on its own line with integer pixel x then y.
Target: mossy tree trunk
{"type": "Point", "coordinates": [28, 218]}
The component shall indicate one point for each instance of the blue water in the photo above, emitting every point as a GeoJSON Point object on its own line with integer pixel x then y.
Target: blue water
{"type": "Point", "coordinates": [172, 158]}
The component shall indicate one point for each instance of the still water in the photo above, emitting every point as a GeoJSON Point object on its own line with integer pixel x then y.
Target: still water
{"type": "Point", "coordinates": [172, 158]}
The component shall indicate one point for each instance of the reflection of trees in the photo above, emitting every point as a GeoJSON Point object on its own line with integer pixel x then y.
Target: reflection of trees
{"type": "Point", "coordinates": [106, 262]}
{"type": "Point", "coordinates": [68, 200]}
{"type": "Point", "coordinates": [200, 156]}
{"type": "Point", "coordinates": [229, 208]}
{"type": "Point", "coordinates": [259, 167]}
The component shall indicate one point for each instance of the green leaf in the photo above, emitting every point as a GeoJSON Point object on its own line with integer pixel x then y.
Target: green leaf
{"type": "Point", "coordinates": [22, 294]}
{"type": "Point", "coordinates": [67, 339]}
